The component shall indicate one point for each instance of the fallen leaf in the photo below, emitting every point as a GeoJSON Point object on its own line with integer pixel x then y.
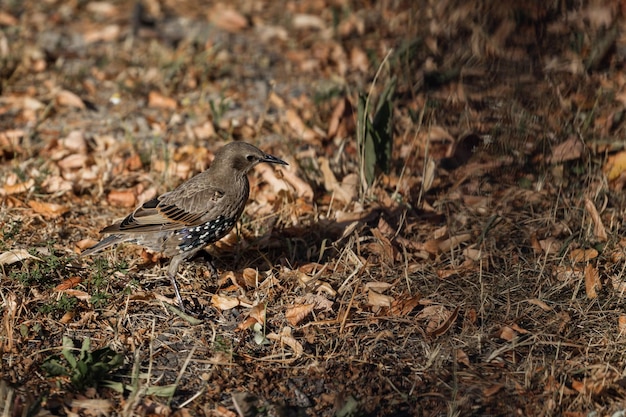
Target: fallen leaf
{"type": "Point", "coordinates": [68, 283]}
{"type": "Point", "coordinates": [258, 313]}
{"type": "Point", "coordinates": [445, 326]}
{"type": "Point", "coordinates": [297, 125]}
{"type": "Point", "coordinates": [462, 358]}
{"type": "Point", "coordinates": [7, 19]}
{"type": "Point", "coordinates": [108, 33]}
{"type": "Point", "coordinates": [302, 189]}
{"type": "Point", "coordinates": [583, 255]}
{"type": "Point", "coordinates": [81, 295]}
{"type": "Point", "coordinates": [123, 198]}
{"type": "Point", "coordinates": [569, 150]}
{"type": "Point", "coordinates": [507, 333]}
{"type": "Point", "coordinates": [378, 286]}
{"type": "Point", "coordinates": [158, 100]}
{"type": "Point", "coordinates": [453, 241]}
{"type": "Point", "coordinates": [592, 281]}
{"type": "Point", "coordinates": [251, 277]}
{"type": "Point", "coordinates": [378, 300]}
{"type": "Point", "coordinates": [404, 305]}
{"type": "Point", "coordinates": [615, 166]}
{"type": "Point", "coordinates": [224, 302]}
{"type": "Point", "coordinates": [17, 255]}
{"type": "Point", "coordinates": [48, 210]}
{"type": "Point", "coordinates": [21, 187]}
{"type": "Point", "coordinates": [296, 313]}
{"type": "Point", "coordinates": [598, 227]}
{"type": "Point", "coordinates": [621, 324]}
{"type": "Point", "coordinates": [67, 317]}
{"type": "Point", "coordinates": [344, 191]}
{"type": "Point", "coordinates": [286, 338]}
{"type": "Point", "coordinates": [492, 390]}
{"type": "Point", "coordinates": [307, 21]}
{"type": "Point", "coordinates": [542, 305]}
{"type": "Point", "coordinates": [228, 19]}
{"type": "Point", "coordinates": [68, 99]}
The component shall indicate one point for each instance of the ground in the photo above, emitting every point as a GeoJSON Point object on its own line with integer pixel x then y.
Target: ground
{"type": "Point", "coordinates": [446, 240]}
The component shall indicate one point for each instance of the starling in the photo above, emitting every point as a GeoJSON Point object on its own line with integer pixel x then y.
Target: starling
{"type": "Point", "coordinates": [198, 212]}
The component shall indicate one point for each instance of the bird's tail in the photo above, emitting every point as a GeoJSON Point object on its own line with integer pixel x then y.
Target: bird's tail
{"type": "Point", "coordinates": [103, 244]}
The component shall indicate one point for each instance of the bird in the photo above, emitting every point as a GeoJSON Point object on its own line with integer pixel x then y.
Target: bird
{"type": "Point", "coordinates": [198, 212]}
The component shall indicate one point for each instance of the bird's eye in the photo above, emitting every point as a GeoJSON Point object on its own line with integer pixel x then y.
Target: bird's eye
{"type": "Point", "coordinates": [251, 158]}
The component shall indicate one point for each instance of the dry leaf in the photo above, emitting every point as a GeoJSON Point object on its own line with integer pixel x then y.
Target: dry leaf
{"type": "Point", "coordinates": [302, 189]}
{"type": "Point", "coordinates": [12, 256]}
{"type": "Point", "coordinates": [615, 166]}
{"type": "Point", "coordinates": [68, 99]}
{"type": "Point", "coordinates": [21, 187]}
{"type": "Point", "coordinates": [258, 313]}
{"type": "Point", "coordinates": [453, 241]}
{"type": "Point", "coordinates": [319, 301]}
{"type": "Point", "coordinates": [359, 59]}
{"type": "Point", "coordinates": [125, 198]}
{"type": "Point", "coordinates": [224, 302]}
{"type": "Point", "coordinates": [286, 338]}
{"type": "Point", "coordinates": [85, 243]}
{"type": "Point", "coordinates": [108, 33]}
{"type": "Point", "coordinates": [73, 161]}
{"type": "Point", "coordinates": [569, 150]}
{"type": "Point", "coordinates": [158, 100]}
{"type": "Point", "coordinates": [439, 319]}
{"type": "Point", "coordinates": [295, 314]}
{"type": "Point", "coordinates": [297, 125]}
{"type": "Point", "coordinates": [343, 192]}
{"type": "Point", "coordinates": [68, 283]}
{"type": "Point", "coordinates": [378, 286]}
{"type": "Point", "coordinates": [592, 281]}
{"type": "Point", "coordinates": [336, 118]}
{"type": "Point", "coordinates": [583, 255]}
{"type": "Point", "coordinates": [102, 8]}
{"type": "Point", "coordinates": [268, 173]}
{"type": "Point", "coordinates": [48, 210]}
{"type": "Point", "coordinates": [379, 300]}
{"type": "Point", "coordinates": [228, 19]}
{"type": "Point", "coordinates": [404, 305]}
{"type": "Point", "coordinates": [549, 245]}
{"type": "Point", "coordinates": [598, 227]}
{"type": "Point", "coordinates": [7, 20]}
{"type": "Point", "coordinates": [251, 277]}
{"type": "Point", "coordinates": [507, 333]}
{"type": "Point", "coordinates": [621, 324]}
{"type": "Point", "coordinates": [74, 142]}
{"type": "Point", "coordinates": [97, 407]}
{"type": "Point", "coordinates": [492, 390]}
{"type": "Point", "coordinates": [429, 174]}
{"type": "Point", "coordinates": [204, 131]}
{"type": "Point", "coordinates": [462, 358]}
{"type": "Point", "coordinates": [542, 305]}
{"type": "Point", "coordinates": [81, 295]}
{"type": "Point", "coordinates": [67, 317]}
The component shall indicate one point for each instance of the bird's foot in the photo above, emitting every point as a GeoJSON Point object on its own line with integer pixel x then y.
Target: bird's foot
{"type": "Point", "coordinates": [210, 265]}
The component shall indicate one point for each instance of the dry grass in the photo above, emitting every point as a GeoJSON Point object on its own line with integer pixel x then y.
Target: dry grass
{"type": "Point", "coordinates": [482, 275]}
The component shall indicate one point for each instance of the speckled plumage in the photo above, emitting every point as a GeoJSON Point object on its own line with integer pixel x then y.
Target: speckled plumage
{"type": "Point", "coordinates": [198, 212]}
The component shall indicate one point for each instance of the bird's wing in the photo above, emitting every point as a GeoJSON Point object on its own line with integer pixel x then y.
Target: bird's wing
{"type": "Point", "coordinates": [183, 207]}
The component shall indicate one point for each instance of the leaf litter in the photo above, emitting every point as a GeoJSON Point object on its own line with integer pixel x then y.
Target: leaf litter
{"type": "Point", "coordinates": [446, 239]}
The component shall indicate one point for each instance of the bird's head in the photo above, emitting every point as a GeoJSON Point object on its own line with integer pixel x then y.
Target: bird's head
{"type": "Point", "coordinates": [242, 157]}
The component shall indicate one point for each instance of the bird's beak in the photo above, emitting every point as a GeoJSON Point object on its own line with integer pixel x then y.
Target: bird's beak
{"type": "Point", "coordinates": [273, 160]}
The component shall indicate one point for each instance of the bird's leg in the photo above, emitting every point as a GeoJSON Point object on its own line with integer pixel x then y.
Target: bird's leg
{"type": "Point", "coordinates": [209, 260]}
{"type": "Point", "coordinates": [171, 273]}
